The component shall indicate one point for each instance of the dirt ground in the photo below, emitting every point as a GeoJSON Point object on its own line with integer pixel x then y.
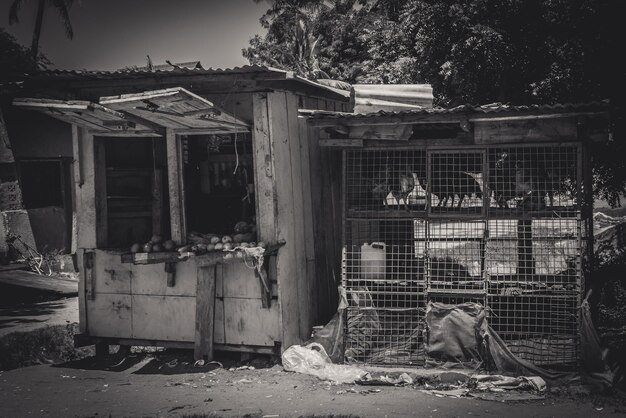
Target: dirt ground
{"type": "Point", "coordinates": [167, 384]}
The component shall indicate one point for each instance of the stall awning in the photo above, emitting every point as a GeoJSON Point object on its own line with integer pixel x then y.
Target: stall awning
{"type": "Point", "coordinates": [146, 113]}
{"type": "Point", "coordinates": [88, 115]}
{"type": "Point", "coordinates": [178, 109]}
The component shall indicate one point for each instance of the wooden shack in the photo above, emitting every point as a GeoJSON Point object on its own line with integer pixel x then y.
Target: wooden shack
{"type": "Point", "coordinates": [489, 204]}
{"type": "Point", "coordinates": [183, 151]}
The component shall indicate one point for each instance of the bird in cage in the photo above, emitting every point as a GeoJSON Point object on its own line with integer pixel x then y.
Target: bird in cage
{"type": "Point", "coordinates": [406, 184]}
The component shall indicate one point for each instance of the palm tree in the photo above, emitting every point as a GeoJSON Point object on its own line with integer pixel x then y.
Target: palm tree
{"type": "Point", "coordinates": [62, 7]}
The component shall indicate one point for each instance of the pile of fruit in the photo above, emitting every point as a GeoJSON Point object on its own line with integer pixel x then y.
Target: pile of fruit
{"type": "Point", "coordinates": [243, 236]}
{"type": "Point", "coordinates": [155, 245]}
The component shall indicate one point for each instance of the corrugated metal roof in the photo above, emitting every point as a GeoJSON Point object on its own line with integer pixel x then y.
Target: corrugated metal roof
{"type": "Point", "coordinates": [493, 108]}
{"type": "Point", "coordinates": [139, 72]}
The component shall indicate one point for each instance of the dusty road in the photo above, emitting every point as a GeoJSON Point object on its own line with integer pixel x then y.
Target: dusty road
{"type": "Point", "coordinates": [144, 387]}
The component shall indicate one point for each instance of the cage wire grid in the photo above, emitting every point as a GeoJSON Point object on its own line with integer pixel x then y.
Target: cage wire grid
{"type": "Point", "coordinates": [501, 226]}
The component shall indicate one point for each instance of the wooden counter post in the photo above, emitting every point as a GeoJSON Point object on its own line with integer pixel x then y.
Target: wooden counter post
{"type": "Point", "coordinates": [205, 313]}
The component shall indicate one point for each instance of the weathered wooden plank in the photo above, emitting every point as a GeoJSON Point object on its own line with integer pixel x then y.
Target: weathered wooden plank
{"type": "Point", "coordinates": [110, 316]}
{"type": "Point", "coordinates": [157, 201]}
{"type": "Point", "coordinates": [174, 175]}
{"type": "Point", "coordinates": [82, 294]}
{"type": "Point", "coordinates": [286, 260]}
{"type": "Point", "coordinates": [112, 276]}
{"type": "Point", "coordinates": [265, 188]}
{"type": "Point", "coordinates": [297, 199]}
{"type": "Point", "coordinates": [397, 132]}
{"type": "Point", "coordinates": [100, 179]}
{"type": "Point", "coordinates": [219, 280]}
{"type": "Point", "coordinates": [525, 130]}
{"type": "Point", "coordinates": [315, 169]}
{"type": "Point", "coordinates": [205, 313]}
{"type": "Point", "coordinates": [86, 199]}
{"type": "Point", "coordinates": [247, 323]}
{"type": "Point", "coordinates": [240, 282]}
{"type": "Point", "coordinates": [218, 323]}
{"type": "Point", "coordinates": [151, 280]}
{"type": "Point", "coordinates": [165, 318]}
{"type": "Point", "coordinates": [341, 142]}
{"type": "Point", "coordinates": [309, 235]}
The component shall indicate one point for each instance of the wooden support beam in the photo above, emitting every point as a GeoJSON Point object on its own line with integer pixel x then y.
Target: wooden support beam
{"type": "Point", "coordinates": [341, 143]}
{"type": "Point", "coordinates": [175, 186]}
{"type": "Point", "coordinates": [265, 186]}
{"type": "Point", "coordinates": [205, 313]}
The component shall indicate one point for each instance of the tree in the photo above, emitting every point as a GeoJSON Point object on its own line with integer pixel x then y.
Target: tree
{"type": "Point", "coordinates": [15, 59]}
{"type": "Point", "coordinates": [470, 51]}
{"type": "Point", "coordinates": [61, 6]}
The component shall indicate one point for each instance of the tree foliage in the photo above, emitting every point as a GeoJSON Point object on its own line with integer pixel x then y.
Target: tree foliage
{"type": "Point", "coordinates": [62, 7]}
{"type": "Point", "coordinates": [15, 59]}
{"type": "Point", "coordinates": [470, 51]}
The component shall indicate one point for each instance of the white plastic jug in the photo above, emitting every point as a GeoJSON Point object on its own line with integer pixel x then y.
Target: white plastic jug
{"type": "Point", "coordinates": [373, 260]}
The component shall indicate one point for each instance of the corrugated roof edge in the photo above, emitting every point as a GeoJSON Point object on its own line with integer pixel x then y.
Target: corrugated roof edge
{"type": "Point", "coordinates": [141, 72]}
{"type": "Point", "coordinates": [468, 109]}
{"type": "Point", "coordinates": [245, 69]}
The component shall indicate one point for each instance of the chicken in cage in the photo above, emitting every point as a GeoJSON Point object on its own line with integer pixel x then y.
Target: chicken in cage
{"type": "Point", "coordinates": [456, 180]}
{"type": "Point", "coordinates": [394, 182]}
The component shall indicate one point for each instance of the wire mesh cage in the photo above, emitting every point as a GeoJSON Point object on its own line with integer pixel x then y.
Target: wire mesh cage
{"type": "Point", "coordinates": [535, 178]}
{"type": "Point", "coordinates": [455, 182]}
{"type": "Point", "coordinates": [385, 180]}
{"type": "Point", "coordinates": [540, 329]}
{"type": "Point", "coordinates": [500, 226]}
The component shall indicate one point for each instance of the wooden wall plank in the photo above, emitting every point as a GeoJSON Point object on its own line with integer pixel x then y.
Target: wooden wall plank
{"type": "Point", "coordinates": [77, 171]}
{"type": "Point", "coordinates": [297, 184]}
{"type": "Point", "coordinates": [319, 222]}
{"type": "Point", "coordinates": [110, 316]}
{"type": "Point", "coordinates": [150, 279]}
{"type": "Point", "coordinates": [246, 322]}
{"type": "Point", "coordinates": [205, 313]}
{"type": "Point", "coordinates": [218, 325]}
{"type": "Point", "coordinates": [309, 236]}
{"type": "Point", "coordinates": [240, 282]}
{"type": "Point", "coordinates": [265, 188]}
{"type": "Point", "coordinates": [86, 199]}
{"type": "Point", "coordinates": [165, 318]}
{"type": "Point", "coordinates": [287, 255]}
{"type": "Point", "coordinates": [111, 275]}
{"type": "Point", "coordinates": [100, 180]}
{"type": "Point", "coordinates": [523, 131]}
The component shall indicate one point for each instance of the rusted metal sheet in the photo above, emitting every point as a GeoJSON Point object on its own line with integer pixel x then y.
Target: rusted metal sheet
{"type": "Point", "coordinates": [374, 97]}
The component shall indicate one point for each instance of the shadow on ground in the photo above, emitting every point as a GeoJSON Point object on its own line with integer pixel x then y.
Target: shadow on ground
{"type": "Point", "coordinates": [167, 362]}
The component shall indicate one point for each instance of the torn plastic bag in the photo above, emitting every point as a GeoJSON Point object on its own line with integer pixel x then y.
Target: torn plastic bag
{"type": "Point", "coordinates": [313, 360]}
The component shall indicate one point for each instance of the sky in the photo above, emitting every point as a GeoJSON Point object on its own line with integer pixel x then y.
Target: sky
{"type": "Point", "coordinates": [112, 34]}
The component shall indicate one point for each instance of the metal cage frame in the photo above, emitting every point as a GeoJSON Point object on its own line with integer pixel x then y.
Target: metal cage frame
{"type": "Point", "coordinates": [465, 255]}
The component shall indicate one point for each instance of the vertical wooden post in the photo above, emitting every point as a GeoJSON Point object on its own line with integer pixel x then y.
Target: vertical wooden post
{"type": "Point", "coordinates": [175, 180]}
{"type": "Point", "coordinates": [205, 313]}
{"type": "Point", "coordinates": [100, 190]}
{"type": "Point", "coordinates": [85, 229]}
{"type": "Point", "coordinates": [265, 188]}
